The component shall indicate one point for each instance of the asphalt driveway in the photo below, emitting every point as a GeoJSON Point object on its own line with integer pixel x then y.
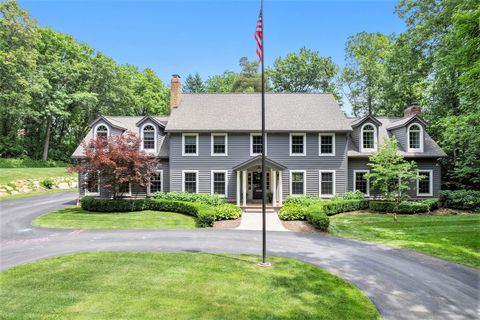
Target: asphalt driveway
{"type": "Point", "coordinates": [402, 284]}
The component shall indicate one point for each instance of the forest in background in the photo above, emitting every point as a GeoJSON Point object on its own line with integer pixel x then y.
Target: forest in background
{"type": "Point", "coordinates": [53, 86]}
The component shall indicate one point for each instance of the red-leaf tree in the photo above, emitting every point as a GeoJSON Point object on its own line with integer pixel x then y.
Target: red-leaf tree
{"type": "Point", "coordinates": [118, 160]}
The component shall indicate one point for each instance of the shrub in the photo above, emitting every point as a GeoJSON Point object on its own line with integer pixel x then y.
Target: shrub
{"type": "Point", "coordinates": [30, 163]}
{"type": "Point", "coordinates": [47, 183]}
{"type": "Point", "coordinates": [317, 217]}
{"type": "Point", "coordinates": [212, 200]}
{"type": "Point", "coordinates": [460, 199]}
{"type": "Point", "coordinates": [227, 211]}
{"type": "Point", "coordinates": [432, 204]}
{"type": "Point", "coordinates": [339, 205]}
{"type": "Point", "coordinates": [292, 211]}
{"type": "Point", "coordinates": [405, 207]}
{"type": "Point", "coordinates": [90, 203]}
{"type": "Point", "coordinates": [301, 200]}
{"type": "Point", "coordinates": [353, 195]}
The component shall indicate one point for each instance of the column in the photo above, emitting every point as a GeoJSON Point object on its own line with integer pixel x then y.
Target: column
{"type": "Point", "coordinates": [244, 187]}
{"type": "Point", "coordinates": [273, 174]}
{"type": "Point", "coordinates": [238, 188]}
{"type": "Point", "coordinates": [280, 189]}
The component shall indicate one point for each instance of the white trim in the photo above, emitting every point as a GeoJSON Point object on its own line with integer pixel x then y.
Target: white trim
{"type": "Point", "coordinates": [375, 138]}
{"type": "Point", "coordinates": [98, 125]}
{"type": "Point", "coordinates": [421, 138]}
{"type": "Point", "coordinates": [155, 136]}
{"type": "Point", "coordinates": [183, 145]}
{"type": "Point", "coordinates": [211, 144]}
{"type": "Point", "coordinates": [149, 193]}
{"type": "Point", "coordinates": [129, 193]}
{"type": "Point", "coordinates": [304, 181]}
{"type": "Point", "coordinates": [430, 171]}
{"type": "Point", "coordinates": [355, 181]}
{"type": "Point", "coordinates": [88, 193]}
{"type": "Point", "coordinates": [196, 182]}
{"type": "Point", "coordinates": [320, 145]}
{"type": "Point", "coordinates": [320, 183]}
{"type": "Point", "coordinates": [226, 182]}
{"type": "Point", "coordinates": [251, 143]}
{"type": "Point", "coordinates": [304, 135]}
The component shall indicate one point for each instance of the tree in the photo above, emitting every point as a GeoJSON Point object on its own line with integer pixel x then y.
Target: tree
{"type": "Point", "coordinates": [193, 84]}
{"type": "Point", "coordinates": [391, 174]}
{"type": "Point", "coordinates": [304, 71]}
{"type": "Point", "coordinates": [364, 73]}
{"type": "Point", "coordinates": [118, 161]}
{"type": "Point", "coordinates": [249, 79]}
{"type": "Point", "coordinates": [221, 83]}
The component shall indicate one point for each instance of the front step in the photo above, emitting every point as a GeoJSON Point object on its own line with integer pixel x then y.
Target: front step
{"type": "Point", "coordinates": [259, 210]}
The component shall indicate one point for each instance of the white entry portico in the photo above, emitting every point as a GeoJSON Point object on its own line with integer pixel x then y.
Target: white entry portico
{"type": "Point", "coordinates": [249, 182]}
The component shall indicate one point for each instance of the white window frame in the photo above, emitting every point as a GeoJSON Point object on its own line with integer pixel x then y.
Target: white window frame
{"type": "Point", "coordinates": [304, 135]}
{"type": "Point", "coordinates": [197, 178]}
{"type": "Point", "coordinates": [251, 143]}
{"type": "Point", "coordinates": [355, 181]}
{"type": "Point", "coordinates": [88, 193]}
{"type": "Point", "coordinates": [96, 128]}
{"type": "Point", "coordinates": [304, 182]}
{"type": "Point", "coordinates": [155, 136]}
{"type": "Point", "coordinates": [226, 182]}
{"type": "Point", "coordinates": [430, 194]}
{"type": "Point", "coordinates": [212, 137]}
{"type": "Point", "coordinates": [320, 135]}
{"type": "Point", "coordinates": [183, 145]}
{"type": "Point", "coordinates": [421, 138]}
{"type": "Point", "coordinates": [129, 193]}
{"type": "Point", "coordinates": [375, 138]}
{"type": "Point", "coordinates": [149, 193]}
{"type": "Point", "coordinates": [334, 187]}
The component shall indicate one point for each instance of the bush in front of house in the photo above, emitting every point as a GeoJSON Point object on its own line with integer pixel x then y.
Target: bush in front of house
{"type": "Point", "coordinates": [292, 211]}
{"type": "Point", "coordinates": [211, 200]}
{"type": "Point", "coordinates": [405, 207]}
{"type": "Point", "coordinates": [226, 211]}
{"type": "Point", "coordinates": [353, 195]}
{"type": "Point", "coordinates": [301, 200]}
{"type": "Point", "coordinates": [336, 206]}
{"type": "Point", "coordinates": [460, 199]}
{"type": "Point", "coordinates": [317, 217]}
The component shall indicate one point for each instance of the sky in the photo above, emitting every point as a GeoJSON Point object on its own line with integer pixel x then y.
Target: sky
{"type": "Point", "coordinates": [209, 37]}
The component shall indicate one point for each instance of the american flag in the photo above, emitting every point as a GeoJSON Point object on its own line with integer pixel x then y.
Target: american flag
{"type": "Point", "coordinates": [259, 35]}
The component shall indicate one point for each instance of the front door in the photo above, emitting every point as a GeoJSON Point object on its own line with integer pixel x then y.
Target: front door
{"type": "Point", "coordinates": [257, 185]}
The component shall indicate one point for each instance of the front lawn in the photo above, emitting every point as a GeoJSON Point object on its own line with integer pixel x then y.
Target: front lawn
{"type": "Point", "coordinates": [78, 218]}
{"type": "Point", "coordinates": [12, 174]}
{"type": "Point", "coordinates": [127, 285]}
{"type": "Point", "coordinates": [450, 237]}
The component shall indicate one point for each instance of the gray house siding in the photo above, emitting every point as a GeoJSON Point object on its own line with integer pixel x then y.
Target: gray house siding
{"type": "Point", "coordinates": [402, 135]}
{"type": "Point", "coordinates": [423, 164]}
{"type": "Point", "coordinates": [239, 151]}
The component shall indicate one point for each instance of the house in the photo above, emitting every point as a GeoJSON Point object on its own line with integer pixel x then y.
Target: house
{"type": "Point", "coordinates": [211, 143]}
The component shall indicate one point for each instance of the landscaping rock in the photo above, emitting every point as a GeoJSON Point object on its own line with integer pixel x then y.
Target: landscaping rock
{"type": "Point", "coordinates": [63, 185]}
{"type": "Point", "coordinates": [14, 192]}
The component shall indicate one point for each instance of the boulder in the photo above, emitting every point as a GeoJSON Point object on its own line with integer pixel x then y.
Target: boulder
{"type": "Point", "coordinates": [63, 185]}
{"type": "Point", "coordinates": [14, 192]}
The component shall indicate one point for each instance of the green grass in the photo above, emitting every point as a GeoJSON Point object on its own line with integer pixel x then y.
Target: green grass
{"type": "Point", "coordinates": [78, 218]}
{"type": "Point", "coordinates": [450, 237]}
{"type": "Point", "coordinates": [127, 285]}
{"type": "Point", "coordinates": [12, 174]}
{"type": "Point", "coordinates": [34, 194]}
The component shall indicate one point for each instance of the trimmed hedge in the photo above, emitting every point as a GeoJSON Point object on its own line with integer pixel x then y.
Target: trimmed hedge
{"type": "Point", "coordinates": [460, 199]}
{"type": "Point", "coordinates": [226, 211]}
{"type": "Point", "coordinates": [205, 214]}
{"type": "Point", "coordinates": [293, 211]}
{"type": "Point", "coordinates": [211, 200]}
{"type": "Point", "coordinates": [405, 207]}
{"type": "Point", "coordinates": [301, 200]}
{"type": "Point", "coordinates": [317, 217]}
{"type": "Point", "coordinates": [339, 205]}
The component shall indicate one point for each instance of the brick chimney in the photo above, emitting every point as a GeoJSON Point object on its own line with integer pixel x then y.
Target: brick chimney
{"type": "Point", "coordinates": [175, 92]}
{"type": "Point", "coordinates": [412, 110]}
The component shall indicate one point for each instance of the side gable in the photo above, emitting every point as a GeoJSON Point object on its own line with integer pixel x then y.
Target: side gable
{"type": "Point", "coordinates": [110, 122]}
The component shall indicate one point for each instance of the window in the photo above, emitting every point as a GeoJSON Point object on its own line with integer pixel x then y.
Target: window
{"type": "Point", "coordinates": [297, 144]}
{"type": "Point", "coordinates": [219, 183]}
{"type": "Point", "coordinates": [327, 144]}
{"type": "Point", "coordinates": [219, 144]}
{"type": "Point", "coordinates": [415, 138]}
{"type": "Point", "coordinates": [297, 182]}
{"type": "Point", "coordinates": [125, 189]}
{"type": "Point", "coordinates": [92, 184]}
{"type": "Point", "coordinates": [156, 183]}
{"type": "Point", "coordinates": [327, 183]}
{"type": "Point", "coordinates": [256, 144]}
{"type": "Point", "coordinates": [360, 183]}
{"type": "Point", "coordinates": [190, 144]}
{"type": "Point", "coordinates": [190, 183]}
{"type": "Point", "coordinates": [425, 185]}
{"type": "Point", "coordinates": [101, 131]}
{"type": "Point", "coordinates": [148, 137]}
{"type": "Point", "coordinates": [369, 137]}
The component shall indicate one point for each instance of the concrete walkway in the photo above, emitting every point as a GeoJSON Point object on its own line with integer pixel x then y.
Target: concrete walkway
{"type": "Point", "coordinates": [252, 220]}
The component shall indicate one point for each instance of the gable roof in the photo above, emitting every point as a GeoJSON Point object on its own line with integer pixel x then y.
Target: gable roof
{"type": "Point", "coordinates": [153, 119]}
{"type": "Point", "coordinates": [111, 122]}
{"type": "Point", "coordinates": [359, 121]}
{"type": "Point", "coordinates": [405, 121]}
{"type": "Point", "coordinates": [300, 112]}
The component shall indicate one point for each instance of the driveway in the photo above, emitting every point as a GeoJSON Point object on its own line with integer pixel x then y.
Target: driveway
{"type": "Point", "coordinates": [402, 284]}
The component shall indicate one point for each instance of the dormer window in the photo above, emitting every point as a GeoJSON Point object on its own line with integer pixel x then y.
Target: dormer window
{"type": "Point", "coordinates": [368, 138]}
{"type": "Point", "coordinates": [415, 138]}
{"type": "Point", "coordinates": [148, 137]}
{"type": "Point", "coordinates": [101, 131]}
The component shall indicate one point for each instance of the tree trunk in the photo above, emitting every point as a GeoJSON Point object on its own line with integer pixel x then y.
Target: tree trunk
{"type": "Point", "coordinates": [47, 139]}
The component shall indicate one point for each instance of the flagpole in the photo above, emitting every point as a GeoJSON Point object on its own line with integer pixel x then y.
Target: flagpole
{"type": "Point", "coordinates": [264, 175]}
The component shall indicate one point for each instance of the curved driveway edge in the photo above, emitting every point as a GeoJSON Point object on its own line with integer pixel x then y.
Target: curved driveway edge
{"type": "Point", "coordinates": [402, 284]}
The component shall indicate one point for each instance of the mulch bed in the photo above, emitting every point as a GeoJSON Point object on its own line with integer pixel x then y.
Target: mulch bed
{"type": "Point", "coordinates": [299, 226]}
{"type": "Point", "coordinates": [227, 224]}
